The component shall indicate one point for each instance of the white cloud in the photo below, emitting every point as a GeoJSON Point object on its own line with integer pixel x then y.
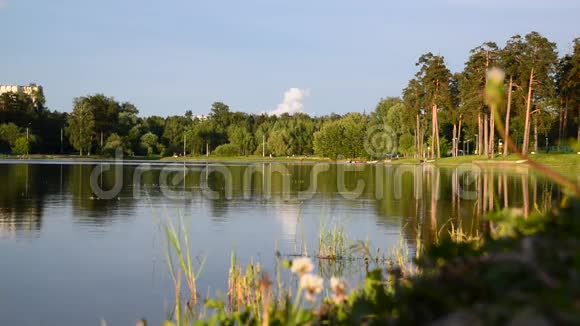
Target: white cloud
{"type": "Point", "coordinates": [292, 102]}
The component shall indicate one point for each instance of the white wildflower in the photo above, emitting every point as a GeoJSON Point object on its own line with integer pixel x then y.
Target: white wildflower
{"type": "Point", "coordinates": [302, 266]}
{"type": "Point", "coordinates": [338, 287]}
{"type": "Point", "coordinates": [312, 285]}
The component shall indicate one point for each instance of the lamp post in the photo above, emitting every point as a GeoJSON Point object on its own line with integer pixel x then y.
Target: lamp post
{"type": "Point", "coordinates": [184, 144]}
{"type": "Point", "coordinates": [61, 139]}
{"type": "Point", "coordinates": [27, 139]}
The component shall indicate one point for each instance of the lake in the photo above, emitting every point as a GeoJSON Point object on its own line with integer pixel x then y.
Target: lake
{"type": "Point", "coordinates": [84, 242]}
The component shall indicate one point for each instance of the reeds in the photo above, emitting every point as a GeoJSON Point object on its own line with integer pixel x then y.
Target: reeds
{"type": "Point", "coordinates": [178, 256]}
{"type": "Point", "coordinates": [245, 290]}
{"type": "Point", "coordinates": [332, 242]}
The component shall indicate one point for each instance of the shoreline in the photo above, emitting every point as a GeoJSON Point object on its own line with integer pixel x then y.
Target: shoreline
{"type": "Point", "coordinates": [511, 160]}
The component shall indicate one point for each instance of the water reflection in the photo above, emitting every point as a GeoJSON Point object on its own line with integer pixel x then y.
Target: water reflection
{"type": "Point", "coordinates": [21, 200]}
{"type": "Point", "coordinates": [424, 196]}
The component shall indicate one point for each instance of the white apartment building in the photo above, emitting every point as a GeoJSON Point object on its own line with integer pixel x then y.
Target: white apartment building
{"type": "Point", "coordinates": [31, 89]}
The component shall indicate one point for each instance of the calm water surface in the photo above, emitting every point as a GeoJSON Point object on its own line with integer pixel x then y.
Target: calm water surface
{"type": "Point", "coordinates": [70, 258]}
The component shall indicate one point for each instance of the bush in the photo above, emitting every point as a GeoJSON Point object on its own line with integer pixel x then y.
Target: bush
{"type": "Point", "coordinates": [406, 144]}
{"type": "Point", "coordinates": [21, 146]}
{"type": "Point", "coordinates": [227, 150]}
{"type": "Point", "coordinates": [113, 143]}
{"type": "Point", "coordinates": [574, 144]}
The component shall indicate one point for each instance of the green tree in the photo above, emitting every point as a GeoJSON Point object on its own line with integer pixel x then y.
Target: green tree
{"type": "Point", "coordinates": [568, 91]}
{"type": "Point", "coordinates": [277, 143]}
{"type": "Point", "coordinates": [414, 97]}
{"type": "Point", "coordinates": [18, 108]}
{"type": "Point", "coordinates": [511, 60]}
{"type": "Point", "coordinates": [354, 132]}
{"type": "Point", "coordinates": [538, 68]}
{"type": "Point", "coordinates": [221, 118]}
{"type": "Point", "coordinates": [394, 119]}
{"type": "Point", "coordinates": [9, 132]}
{"type": "Point", "coordinates": [173, 133]}
{"type": "Point", "coordinates": [150, 141]}
{"type": "Point", "coordinates": [155, 124]}
{"type": "Point", "coordinates": [241, 137]}
{"type": "Point", "coordinates": [328, 140]}
{"type": "Point", "coordinates": [434, 77]}
{"type": "Point", "coordinates": [406, 144]}
{"type": "Point", "coordinates": [81, 127]}
{"type": "Point", "coordinates": [128, 118]}
{"type": "Point", "coordinates": [344, 137]}
{"type": "Point", "coordinates": [105, 111]}
{"type": "Point", "coordinates": [471, 84]}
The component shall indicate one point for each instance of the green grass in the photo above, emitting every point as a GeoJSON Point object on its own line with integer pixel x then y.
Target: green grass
{"type": "Point", "coordinates": [72, 157]}
{"type": "Point", "coordinates": [252, 158]}
{"type": "Point", "coordinates": [544, 158]}
{"type": "Point", "coordinates": [548, 159]}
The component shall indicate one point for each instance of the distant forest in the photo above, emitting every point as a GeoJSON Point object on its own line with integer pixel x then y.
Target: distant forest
{"type": "Point", "coordinates": [438, 113]}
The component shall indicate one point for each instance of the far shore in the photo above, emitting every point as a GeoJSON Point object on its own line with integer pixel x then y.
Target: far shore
{"type": "Point", "coordinates": [557, 159]}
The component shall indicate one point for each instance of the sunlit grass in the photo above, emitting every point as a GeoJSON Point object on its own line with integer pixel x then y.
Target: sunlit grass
{"type": "Point", "coordinates": [545, 158]}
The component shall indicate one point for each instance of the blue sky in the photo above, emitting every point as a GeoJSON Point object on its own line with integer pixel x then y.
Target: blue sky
{"type": "Point", "coordinates": [175, 55]}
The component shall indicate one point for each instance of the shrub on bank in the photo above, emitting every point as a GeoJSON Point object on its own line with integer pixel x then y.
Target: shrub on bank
{"type": "Point", "coordinates": [227, 150]}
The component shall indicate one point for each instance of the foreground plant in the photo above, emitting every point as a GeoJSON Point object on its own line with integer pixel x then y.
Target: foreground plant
{"type": "Point", "coordinates": [525, 271]}
{"type": "Point", "coordinates": [179, 260]}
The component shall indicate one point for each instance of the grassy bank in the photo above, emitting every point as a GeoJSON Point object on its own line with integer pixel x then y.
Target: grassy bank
{"type": "Point", "coordinates": [72, 157]}
{"type": "Point", "coordinates": [547, 159]}
{"type": "Point", "coordinates": [251, 158]}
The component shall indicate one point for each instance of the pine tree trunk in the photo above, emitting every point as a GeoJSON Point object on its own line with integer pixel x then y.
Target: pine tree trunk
{"type": "Point", "coordinates": [437, 133]}
{"type": "Point", "coordinates": [565, 122]}
{"type": "Point", "coordinates": [507, 119]}
{"type": "Point", "coordinates": [433, 128]}
{"type": "Point", "coordinates": [479, 134]}
{"type": "Point", "coordinates": [458, 137]}
{"type": "Point", "coordinates": [485, 136]}
{"type": "Point", "coordinates": [415, 141]}
{"type": "Point", "coordinates": [417, 134]}
{"type": "Point", "coordinates": [453, 152]}
{"type": "Point", "coordinates": [578, 140]}
{"type": "Point", "coordinates": [492, 136]}
{"type": "Point", "coordinates": [525, 195]}
{"type": "Point", "coordinates": [527, 120]}
{"type": "Point", "coordinates": [535, 134]}
{"type": "Point", "coordinates": [561, 120]}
